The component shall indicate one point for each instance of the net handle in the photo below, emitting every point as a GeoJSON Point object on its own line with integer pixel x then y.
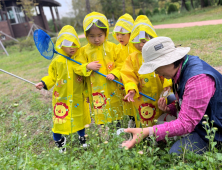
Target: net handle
{"type": "Point", "coordinates": [102, 74]}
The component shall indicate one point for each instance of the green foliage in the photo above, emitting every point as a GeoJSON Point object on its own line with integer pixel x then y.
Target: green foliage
{"type": "Point", "coordinates": [8, 43]}
{"type": "Point", "coordinates": [163, 11]}
{"type": "Point", "coordinates": [140, 12]}
{"type": "Point", "coordinates": [29, 44]}
{"type": "Point", "coordinates": [148, 13]}
{"type": "Point", "coordinates": [188, 6]}
{"type": "Point", "coordinates": [156, 11]}
{"type": "Point", "coordinates": [172, 8]}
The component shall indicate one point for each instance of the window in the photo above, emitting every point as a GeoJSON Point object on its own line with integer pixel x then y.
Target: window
{"type": "Point", "coordinates": [15, 15]}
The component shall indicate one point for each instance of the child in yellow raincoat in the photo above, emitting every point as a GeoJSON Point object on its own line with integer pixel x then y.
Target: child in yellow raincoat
{"type": "Point", "coordinates": [71, 112]}
{"type": "Point", "coordinates": [103, 93]}
{"type": "Point", "coordinates": [121, 33]}
{"type": "Point", "coordinates": [145, 110]}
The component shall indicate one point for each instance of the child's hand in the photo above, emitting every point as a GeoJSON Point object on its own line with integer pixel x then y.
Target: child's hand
{"type": "Point", "coordinates": [93, 66]}
{"type": "Point", "coordinates": [130, 96]}
{"type": "Point", "coordinates": [162, 105]}
{"type": "Point", "coordinates": [39, 85]}
{"type": "Point", "coordinates": [110, 76]}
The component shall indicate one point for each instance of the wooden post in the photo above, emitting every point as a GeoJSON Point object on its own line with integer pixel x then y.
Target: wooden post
{"type": "Point", "coordinates": [43, 17]}
{"type": "Point", "coordinates": [58, 18]}
{"type": "Point", "coordinates": [56, 29]}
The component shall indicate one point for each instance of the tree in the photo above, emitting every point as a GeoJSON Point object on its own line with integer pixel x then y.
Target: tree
{"type": "Point", "coordinates": [111, 8]}
{"type": "Point", "coordinates": [88, 7]}
{"type": "Point", "coordinates": [183, 6]}
{"type": "Point", "coordinates": [79, 12]}
{"type": "Point", "coordinates": [191, 2]}
{"type": "Point", "coordinates": [124, 7]}
{"type": "Point", "coordinates": [134, 15]}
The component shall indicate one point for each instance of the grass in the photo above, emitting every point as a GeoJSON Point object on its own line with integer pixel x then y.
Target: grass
{"type": "Point", "coordinates": [26, 137]}
{"type": "Point", "coordinates": [209, 13]}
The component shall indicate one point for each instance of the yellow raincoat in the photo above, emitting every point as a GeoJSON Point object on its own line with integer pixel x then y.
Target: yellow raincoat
{"type": "Point", "coordinates": [122, 51]}
{"type": "Point", "coordinates": [69, 107]}
{"type": "Point", "coordinates": [145, 110]}
{"type": "Point", "coordinates": [103, 94]}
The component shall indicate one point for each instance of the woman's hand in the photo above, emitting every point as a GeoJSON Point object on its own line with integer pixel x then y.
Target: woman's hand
{"type": "Point", "coordinates": [110, 76]}
{"type": "Point", "coordinates": [94, 66]}
{"type": "Point", "coordinates": [138, 135]}
{"type": "Point", "coordinates": [162, 105]}
{"type": "Point", "coordinates": [129, 97]}
{"type": "Point", "coordinates": [39, 85]}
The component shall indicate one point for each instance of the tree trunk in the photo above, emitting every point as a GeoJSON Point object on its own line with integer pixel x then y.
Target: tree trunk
{"type": "Point", "coordinates": [202, 3]}
{"type": "Point", "coordinates": [134, 15]}
{"type": "Point", "coordinates": [124, 7]}
{"type": "Point", "coordinates": [209, 3]}
{"type": "Point", "coordinates": [183, 6]}
{"type": "Point", "coordinates": [191, 1]}
{"type": "Point", "coordinates": [88, 6]}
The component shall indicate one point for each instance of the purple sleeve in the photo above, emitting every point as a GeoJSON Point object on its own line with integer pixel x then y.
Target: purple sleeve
{"type": "Point", "coordinates": [197, 94]}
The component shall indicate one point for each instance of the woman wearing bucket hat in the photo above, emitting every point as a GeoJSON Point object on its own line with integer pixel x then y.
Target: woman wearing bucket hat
{"type": "Point", "coordinates": [197, 86]}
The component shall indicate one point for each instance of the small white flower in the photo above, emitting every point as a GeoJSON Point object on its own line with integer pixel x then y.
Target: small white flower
{"type": "Point", "coordinates": [140, 152]}
{"type": "Point", "coordinates": [205, 116]}
{"type": "Point", "coordinates": [87, 126]}
{"type": "Point", "coordinates": [25, 135]}
{"type": "Point", "coordinates": [126, 148]}
{"type": "Point", "coordinates": [86, 135]}
{"type": "Point", "coordinates": [155, 121]}
{"type": "Point", "coordinates": [204, 122]}
{"type": "Point", "coordinates": [105, 142]}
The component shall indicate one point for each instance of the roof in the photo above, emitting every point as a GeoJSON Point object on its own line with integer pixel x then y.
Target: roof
{"type": "Point", "coordinates": [49, 3]}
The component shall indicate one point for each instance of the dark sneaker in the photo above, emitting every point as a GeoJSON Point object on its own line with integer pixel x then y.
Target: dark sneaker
{"type": "Point", "coordinates": [60, 144]}
{"type": "Point", "coordinates": [82, 141]}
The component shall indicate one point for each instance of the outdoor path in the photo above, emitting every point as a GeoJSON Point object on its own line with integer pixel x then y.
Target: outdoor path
{"type": "Point", "coordinates": [182, 25]}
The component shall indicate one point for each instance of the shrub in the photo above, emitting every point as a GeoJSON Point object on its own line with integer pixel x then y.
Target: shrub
{"type": "Point", "coordinates": [172, 8]}
{"type": "Point", "coordinates": [156, 11]}
{"type": "Point", "coordinates": [140, 12]}
{"type": "Point", "coordinates": [9, 43]}
{"type": "Point", "coordinates": [163, 11]}
{"type": "Point", "coordinates": [26, 43]}
{"type": "Point", "coordinates": [148, 13]}
{"type": "Point", "coordinates": [188, 6]}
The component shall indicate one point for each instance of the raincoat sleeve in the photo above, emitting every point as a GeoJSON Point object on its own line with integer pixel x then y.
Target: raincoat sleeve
{"type": "Point", "coordinates": [118, 63]}
{"type": "Point", "coordinates": [81, 69]}
{"type": "Point", "coordinates": [50, 80]}
{"type": "Point", "coordinates": [130, 79]}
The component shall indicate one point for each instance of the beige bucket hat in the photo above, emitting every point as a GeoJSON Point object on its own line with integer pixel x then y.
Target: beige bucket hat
{"type": "Point", "coordinates": [160, 51]}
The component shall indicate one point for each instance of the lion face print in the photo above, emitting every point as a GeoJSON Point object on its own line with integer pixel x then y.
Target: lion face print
{"type": "Point", "coordinates": [147, 113]}
{"type": "Point", "coordinates": [61, 110]}
{"type": "Point", "coordinates": [99, 100]}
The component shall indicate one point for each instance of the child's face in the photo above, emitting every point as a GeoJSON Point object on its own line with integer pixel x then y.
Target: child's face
{"type": "Point", "coordinates": [96, 36]}
{"type": "Point", "coordinates": [140, 45]}
{"type": "Point", "coordinates": [70, 51]}
{"type": "Point", "coordinates": [123, 38]}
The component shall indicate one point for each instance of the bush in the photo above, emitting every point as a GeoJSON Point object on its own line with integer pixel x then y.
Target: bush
{"type": "Point", "coordinates": [26, 43]}
{"type": "Point", "coordinates": [148, 13]}
{"type": "Point", "coordinates": [163, 11]}
{"type": "Point", "coordinates": [156, 11]}
{"type": "Point", "coordinates": [9, 43]}
{"type": "Point", "coordinates": [140, 12]}
{"type": "Point", "coordinates": [172, 8]}
{"type": "Point", "coordinates": [188, 6]}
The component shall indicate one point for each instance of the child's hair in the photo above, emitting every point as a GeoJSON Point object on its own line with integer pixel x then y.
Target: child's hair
{"type": "Point", "coordinates": [148, 36]}
{"type": "Point", "coordinates": [93, 26]}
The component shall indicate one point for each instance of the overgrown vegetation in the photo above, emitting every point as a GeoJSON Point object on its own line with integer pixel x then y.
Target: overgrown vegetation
{"type": "Point", "coordinates": [26, 116]}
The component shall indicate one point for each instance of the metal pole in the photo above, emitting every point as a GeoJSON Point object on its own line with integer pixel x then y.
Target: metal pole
{"type": "Point", "coordinates": [4, 48]}
{"type": "Point", "coordinates": [17, 76]}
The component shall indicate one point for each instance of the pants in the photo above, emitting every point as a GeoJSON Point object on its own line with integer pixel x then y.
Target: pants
{"type": "Point", "coordinates": [192, 142]}
{"type": "Point", "coordinates": [57, 136]}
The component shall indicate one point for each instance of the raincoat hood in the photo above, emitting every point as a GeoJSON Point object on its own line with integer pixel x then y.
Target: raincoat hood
{"type": "Point", "coordinates": [125, 21]}
{"type": "Point", "coordinates": [94, 17]}
{"type": "Point", "coordinates": [142, 23]}
{"type": "Point", "coordinates": [67, 33]}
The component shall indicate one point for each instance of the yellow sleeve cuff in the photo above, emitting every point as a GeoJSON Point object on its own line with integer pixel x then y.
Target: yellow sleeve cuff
{"type": "Point", "coordinates": [132, 86]}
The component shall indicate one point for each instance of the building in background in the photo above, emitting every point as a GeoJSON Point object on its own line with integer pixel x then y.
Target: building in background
{"type": "Point", "coordinates": [15, 22]}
